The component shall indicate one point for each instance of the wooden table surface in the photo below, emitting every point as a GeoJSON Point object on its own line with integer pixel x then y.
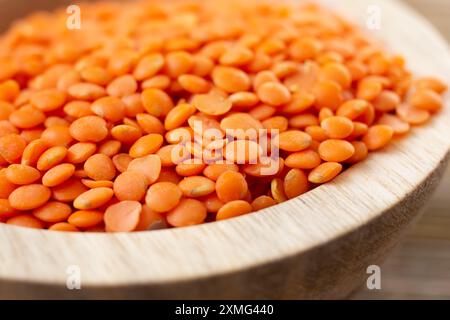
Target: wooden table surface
{"type": "Point", "coordinates": [420, 266]}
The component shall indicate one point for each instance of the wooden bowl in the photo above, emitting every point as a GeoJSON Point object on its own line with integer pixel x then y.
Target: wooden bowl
{"type": "Point", "coordinates": [316, 246]}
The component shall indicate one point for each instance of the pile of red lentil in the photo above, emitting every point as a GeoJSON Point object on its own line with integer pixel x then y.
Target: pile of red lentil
{"type": "Point", "coordinates": [89, 117]}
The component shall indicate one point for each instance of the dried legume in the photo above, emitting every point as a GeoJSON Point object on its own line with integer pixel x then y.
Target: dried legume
{"type": "Point", "coordinates": [162, 124]}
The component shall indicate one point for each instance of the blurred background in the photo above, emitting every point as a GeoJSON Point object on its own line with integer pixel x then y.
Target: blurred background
{"type": "Point", "coordinates": [420, 266]}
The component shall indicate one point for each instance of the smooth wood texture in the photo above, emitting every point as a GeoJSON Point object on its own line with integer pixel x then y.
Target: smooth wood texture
{"type": "Point", "coordinates": [315, 246]}
{"type": "Point", "coordinates": [419, 267]}
{"type": "Point", "coordinates": [436, 11]}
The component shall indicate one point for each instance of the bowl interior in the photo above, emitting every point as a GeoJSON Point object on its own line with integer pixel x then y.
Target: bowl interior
{"type": "Point", "coordinates": [358, 196]}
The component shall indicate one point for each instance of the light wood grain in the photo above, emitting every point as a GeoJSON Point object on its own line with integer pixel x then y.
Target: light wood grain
{"type": "Point", "coordinates": [419, 267]}
{"type": "Point", "coordinates": [315, 246]}
{"type": "Point", "coordinates": [437, 11]}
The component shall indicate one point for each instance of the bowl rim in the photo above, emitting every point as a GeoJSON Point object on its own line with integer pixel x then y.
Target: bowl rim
{"type": "Point", "coordinates": [288, 229]}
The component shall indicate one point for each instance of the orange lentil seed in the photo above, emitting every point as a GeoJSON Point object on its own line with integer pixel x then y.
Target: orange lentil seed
{"type": "Point", "coordinates": [122, 86]}
{"type": "Point", "coordinates": [123, 216]}
{"type": "Point", "coordinates": [328, 94]}
{"type": "Point", "coordinates": [156, 102]}
{"type": "Point", "coordinates": [178, 63]}
{"type": "Point", "coordinates": [57, 136]}
{"type": "Point", "coordinates": [294, 141]}
{"type": "Point", "coordinates": [172, 117]}
{"type": "Point", "coordinates": [29, 197]}
{"type": "Point", "coordinates": [163, 196]}
{"type": "Point", "coordinates": [352, 109]}
{"type": "Point", "coordinates": [121, 161]}
{"type": "Point", "coordinates": [325, 172]}
{"type": "Point", "coordinates": [149, 166]}
{"type": "Point", "coordinates": [130, 185]}
{"type": "Point", "coordinates": [295, 183]}
{"type": "Point", "coordinates": [146, 145]}
{"type": "Point", "coordinates": [212, 203]}
{"type": "Point", "coordinates": [27, 117]}
{"type": "Point", "coordinates": [262, 112]}
{"type": "Point", "coordinates": [278, 123]}
{"type": "Point", "coordinates": [150, 220]}
{"type": "Point", "coordinates": [89, 129]}
{"type": "Point", "coordinates": [196, 186]}
{"type": "Point", "coordinates": [78, 109]}
{"type": "Point", "coordinates": [109, 108]}
{"type": "Point", "coordinates": [58, 174]}
{"type": "Point", "coordinates": [263, 202]}
{"type": "Point", "coordinates": [178, 116]}
{"type": "Point", "coordinates": [86, 218]}
{"type": "Point", "coordinates": [230, 79]}
{"type": "Point", "coordinates": [149, 123]}
{"type": "Point", "coordinates": [187, 213]}
{"type": "Point", "coordinates": [243, 99]}
{"type": "Point", "coordinates": [126, 133]}
{"type": "Point", "coordinates": [86, 91]}
{"type": "Point", "coordinates": [48, 100]}
{"type": "Point", "coordinates": [148, 66]}
{"type": "Point", "coordinates": [69, 190]}
{"type": "Point", "coordinates": [133, 104]}
{"type": "Point", "coordinates": [317, 133]}
{"type": "Point", "coordinates": [233, 209]}
{"type": "Point", "coordinates": [277, 190]}
{"type": "Point", "coordinates": [378, 137]}
{"type": "Point", "coordinates": [54, 121]}
{"type": "Point", "coordinates": [160, 81]}
{"type": "Point", "coordinates": [189, 168]}
{"type": "Point", "coordinates": [399, 126]}
{"type": "Point", "coordinates": [307, 159]}
{"type": "Point", "coordinates": [386, 101]}
{"type": "Point", "coordinates": [334, 150]}
{"type": "Point", "coordinates": [110, 148]}
{"type": "Point", "coordinates": [100, 167]}
{"type": "Point", "coordinates": [213, 171]}
{"type": "Point", "coordinates": [27, 221]}
{"type": "Point", "coordinates": [230, 186]}
{"type": "Point", "coordinates": [302, 121]}
{"type": "Point", "coordinates": [212, 104]}
{"type": "Point", "coordinates": [300, 101]}
{"type": "Point", "coordinates": [193, 83]}
{"type": "Point", "coordinates": [266, 167]}
{"type": "Point", "coordinates": [80, 152]}
{"type": "Point", "coordinates": [274, 94]}
{"type": "Point", "coordinates": [63, 227]}
{"type": "Point", "coordinates": [431, 83]}
{"type": "Point", "coordinates": [93, 198]}
{"type": "Point", "coordinates": [53, 212]}
{"type": "Point", "coordinates": [6, 211]}
{"type": "Point", "coordinates": [96, 74]}
{"type": "Point", "coordinates": [21, 174]}
{"type": "Point", "coordinates": [337, 127]}
{"type": "Point", "coordinates": [426, 99]}
{"type": "Point", "coordinates": [412, 115]}
{"type": "Point", "coordinates": [91, 184]}
{"type": "Point", "coordinates": [360, 154]}
{"type": "Point", "coordinates": [7, 128]}
{"type": "Point", "coordinates": [11, 147]}
{"type": "Point", "coordinates": [51, 157]}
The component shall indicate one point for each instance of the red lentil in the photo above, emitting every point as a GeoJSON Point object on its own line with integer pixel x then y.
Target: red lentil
{"type": "Point", "coordinates": [123, 216]}
{"type": "Point", "coordinates": [104, 135]}
{"type": "Point", "coordinates": [163, 196]}
{"type": "Point", "coordinates": [188, 212]}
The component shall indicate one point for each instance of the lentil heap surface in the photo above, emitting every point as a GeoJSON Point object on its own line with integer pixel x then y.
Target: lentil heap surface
{"type": "Point", "coordinates": [90, 119]}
